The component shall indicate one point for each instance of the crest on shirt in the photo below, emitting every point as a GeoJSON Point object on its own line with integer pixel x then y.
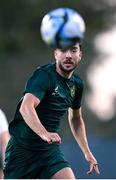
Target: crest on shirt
{"type": "Point", "coordinates": [73, 91]}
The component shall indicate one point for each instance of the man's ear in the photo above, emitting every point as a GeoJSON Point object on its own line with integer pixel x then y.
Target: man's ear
{"type": "Point", "coordinates": [80, 54]}
{"type": "Point", "coordinates": [55, 52]}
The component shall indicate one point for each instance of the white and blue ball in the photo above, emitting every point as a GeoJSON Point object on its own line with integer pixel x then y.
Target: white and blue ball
{"type": "Point", "coordinates": [62, 28]}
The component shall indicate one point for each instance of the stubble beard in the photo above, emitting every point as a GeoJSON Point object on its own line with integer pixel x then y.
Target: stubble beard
{"type": "Point", "coordinates": [67, 70]}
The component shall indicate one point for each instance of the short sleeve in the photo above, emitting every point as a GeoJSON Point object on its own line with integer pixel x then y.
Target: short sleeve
{"type": "Point", "coordinates": [78, 96]}
{"type": "Point", "coordinates": [38, 84]}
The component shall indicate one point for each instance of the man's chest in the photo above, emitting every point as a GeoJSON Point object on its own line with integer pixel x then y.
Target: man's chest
{"type": "Point", "coordinates": [62, 93]}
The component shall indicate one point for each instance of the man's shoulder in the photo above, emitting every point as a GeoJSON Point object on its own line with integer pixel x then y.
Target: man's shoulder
{"type": "Point", "coordinates": [78, 80]}
{"type": "Point", "coordinates": [46, 67]}
{"type": "Point", "coordinates": [46, 71]}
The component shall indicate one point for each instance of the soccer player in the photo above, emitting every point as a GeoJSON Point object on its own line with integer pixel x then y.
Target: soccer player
{"type": "Point", "coordinates": [4, 137]}
{"type": "Point", "coordinates": [34, 148]}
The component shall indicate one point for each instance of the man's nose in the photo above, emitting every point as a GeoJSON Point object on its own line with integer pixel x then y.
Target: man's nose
{"type": "Point", "coordinates": [68, 54]}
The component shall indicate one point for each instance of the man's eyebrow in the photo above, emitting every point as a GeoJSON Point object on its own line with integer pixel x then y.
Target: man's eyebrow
{"type": "Point", "coordinates": [74, 47]}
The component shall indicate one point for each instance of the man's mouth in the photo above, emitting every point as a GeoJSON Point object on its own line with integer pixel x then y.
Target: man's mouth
{"type": "Point", "coordinates": [68, 62]}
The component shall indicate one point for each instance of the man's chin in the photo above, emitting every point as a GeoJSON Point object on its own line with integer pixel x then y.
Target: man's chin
{"type": "Point", "coordinates": [68, 70]}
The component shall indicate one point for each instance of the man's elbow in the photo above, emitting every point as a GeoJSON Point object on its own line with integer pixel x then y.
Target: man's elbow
{"type": "Point", "coordinates": [23, 109]}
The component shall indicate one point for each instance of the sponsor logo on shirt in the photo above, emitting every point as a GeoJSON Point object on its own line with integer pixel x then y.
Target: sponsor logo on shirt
{"type": "Point", "coordinates": [55, 91]}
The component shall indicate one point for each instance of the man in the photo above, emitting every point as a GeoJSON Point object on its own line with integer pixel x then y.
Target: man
{"type": "Point", "coordinates": [4, 137]}
{"type": "Point", "coordinates": [33, 150]}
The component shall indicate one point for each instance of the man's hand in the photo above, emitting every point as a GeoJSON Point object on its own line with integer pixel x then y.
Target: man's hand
{"type": "Point", "coordinates": [93, 163]}
{"type": "Point", "coordinates": [51, 138]}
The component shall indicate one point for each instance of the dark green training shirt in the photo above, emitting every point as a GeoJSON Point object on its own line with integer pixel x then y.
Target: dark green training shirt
{"type": "Point", "coordinates": [56, 93]}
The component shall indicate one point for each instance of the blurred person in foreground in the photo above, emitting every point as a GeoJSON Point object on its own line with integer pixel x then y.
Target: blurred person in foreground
{"type": "Point", "coordinates": [34, 148]}
{"type": "Point", "coordinates": [4, 138]}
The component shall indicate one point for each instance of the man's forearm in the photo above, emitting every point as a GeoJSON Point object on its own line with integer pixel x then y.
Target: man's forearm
{"type": "Point", "coordinates": [79, 132]}
{"type": "Point", "coordinates": [30, 117]}
{"type": "Point", "coordinates": [78, 129]}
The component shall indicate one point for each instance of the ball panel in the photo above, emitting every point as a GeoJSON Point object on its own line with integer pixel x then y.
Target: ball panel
{"type": "Point", "coordinates": [62, 27]}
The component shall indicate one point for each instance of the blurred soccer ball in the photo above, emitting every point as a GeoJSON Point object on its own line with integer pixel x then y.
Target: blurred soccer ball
{"type": "Point", "coordinates": [62, 28]}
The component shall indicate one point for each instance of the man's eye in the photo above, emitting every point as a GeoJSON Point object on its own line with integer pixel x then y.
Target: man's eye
{"type": "Point", "coordinates": [74, 50]}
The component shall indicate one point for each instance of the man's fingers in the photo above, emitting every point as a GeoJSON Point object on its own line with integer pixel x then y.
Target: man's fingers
{"type": "Point", "coordinates": [54, 138]}
{"type": "Point", "coordinates": [96, 169]}
{"type": "Point", "coordinates": [93, 167]}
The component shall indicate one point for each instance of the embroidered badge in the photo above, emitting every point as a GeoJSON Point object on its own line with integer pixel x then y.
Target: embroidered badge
{"type": "Point", "coordinates": [73, 91]}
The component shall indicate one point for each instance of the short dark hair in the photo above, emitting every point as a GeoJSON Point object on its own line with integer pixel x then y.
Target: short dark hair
{"type": "Point", "coordinates": [78, 42]}
{"type": "Point", "coordinates": [80, 45]}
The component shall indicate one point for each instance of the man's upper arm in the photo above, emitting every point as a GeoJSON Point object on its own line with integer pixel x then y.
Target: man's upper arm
{"type": "Point", "coordinates": [78, 96]}
{"type": "Point", "coordinates": [30, 100]}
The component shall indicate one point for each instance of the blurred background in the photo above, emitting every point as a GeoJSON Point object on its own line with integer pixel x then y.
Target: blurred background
{"type": "Point", "coordinates": [22, 50]}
